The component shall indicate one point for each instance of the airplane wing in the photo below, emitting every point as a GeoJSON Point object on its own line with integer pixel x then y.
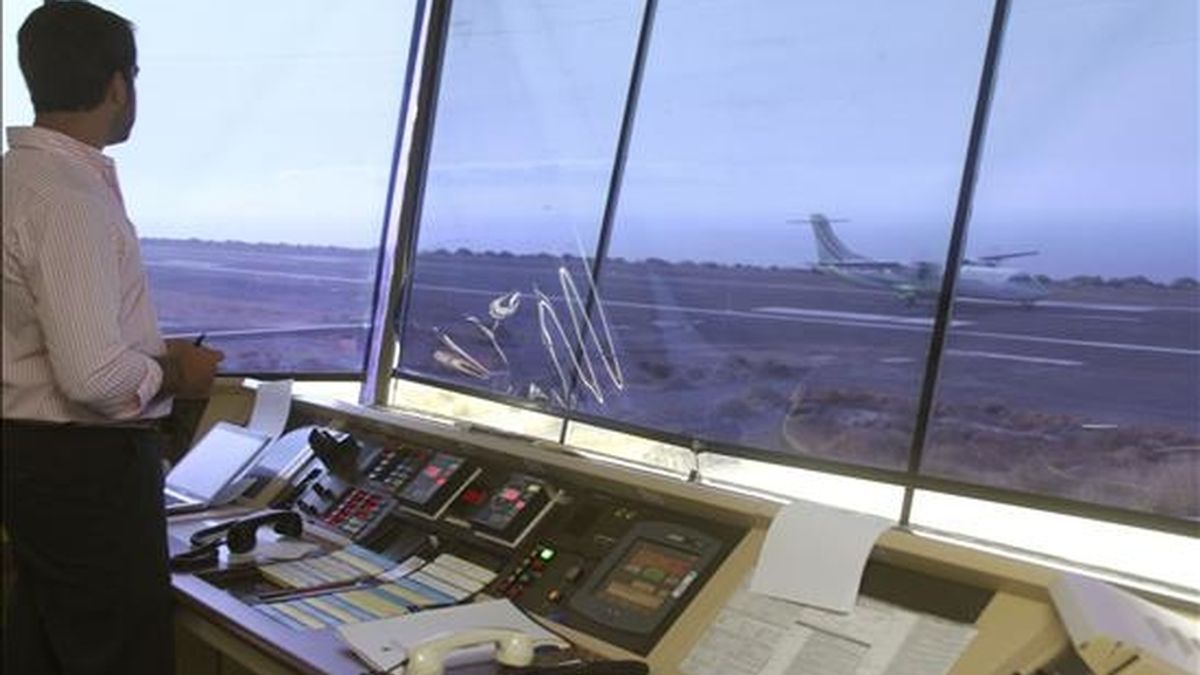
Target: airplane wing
{"type": "Point", "coordinates": [993, 260]}
{"type": "Point", "coordinates": [865, 264]}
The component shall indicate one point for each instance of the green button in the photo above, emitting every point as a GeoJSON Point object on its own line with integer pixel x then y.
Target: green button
{"type": "Point", "coordinates": [546, 554]}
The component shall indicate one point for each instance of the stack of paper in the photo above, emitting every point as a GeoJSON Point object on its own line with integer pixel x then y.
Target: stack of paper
{"type": "Point", "coordinates": [759, 635]}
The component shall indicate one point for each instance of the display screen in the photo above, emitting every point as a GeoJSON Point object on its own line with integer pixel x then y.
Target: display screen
{"type": "Point", "coordinates": [647, 576]}
{"type": "Point", "coordinates": [431, 479]}
{"type": "Point", "coordinates": [517, 496]}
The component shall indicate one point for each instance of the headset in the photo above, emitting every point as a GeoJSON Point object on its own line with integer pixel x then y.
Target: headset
{"type": "Point", "coordinates": [239, 534]}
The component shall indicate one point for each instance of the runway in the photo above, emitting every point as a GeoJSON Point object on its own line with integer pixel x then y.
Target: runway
{"type": "Point", "coordinates": [1114, 356]}
{"type": "Point", "coordinates": [1091, 394]}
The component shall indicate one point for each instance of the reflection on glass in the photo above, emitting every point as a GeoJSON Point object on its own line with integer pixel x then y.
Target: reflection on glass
{"type": "Point", "coordinates": [1093, 393]}
{"type": "Point", "coordinates": [642, 452]}
{"type": "Point", "coordinates": [739, 318]}
{"type": "Point", "coordinates": [531, 101]}
{"type": "Point", "coordinates": [559, 344]}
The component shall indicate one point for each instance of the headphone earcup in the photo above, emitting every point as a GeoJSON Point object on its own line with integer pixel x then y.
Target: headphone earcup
{"type": "Point", "coordinates": [242, 537]}
{"type": "Point", "coordinates": [201, 556]}
{"type": "Point", "coordinates": [290, 525]}
{"type": "Point", "coordinates": [209, 535]}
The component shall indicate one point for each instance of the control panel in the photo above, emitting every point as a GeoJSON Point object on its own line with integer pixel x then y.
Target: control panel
{"type": "Point", "coordinates": [417, 526]}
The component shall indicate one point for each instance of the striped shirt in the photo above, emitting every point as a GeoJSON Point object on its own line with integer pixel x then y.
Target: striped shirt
{"type": "Point", "coordinates": [79, 328]}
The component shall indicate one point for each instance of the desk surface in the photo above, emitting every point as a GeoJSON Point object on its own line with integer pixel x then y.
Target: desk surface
{"type": "Point", "coordinates": [315, 652]}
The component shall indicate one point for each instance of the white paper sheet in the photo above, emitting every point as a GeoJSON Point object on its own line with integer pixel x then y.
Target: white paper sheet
{"type": "Point", "coordinates": [384, 644]}
{"type": "Point", "coordinates": [760, 635]}
{"type": "Point", "coordinates": [272, 402]}
{"type": "Point", "coordinates": [1110, 626]}
{"type": "Point", "coordinates": [815, 554]}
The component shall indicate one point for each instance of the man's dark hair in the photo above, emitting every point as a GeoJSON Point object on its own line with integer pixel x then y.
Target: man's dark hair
{"type": "Point", "coordinates": [69, 52]}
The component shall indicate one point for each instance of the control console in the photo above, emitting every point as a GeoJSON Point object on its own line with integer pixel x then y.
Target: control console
{"type": "Point", "coordinates": [425, 525]}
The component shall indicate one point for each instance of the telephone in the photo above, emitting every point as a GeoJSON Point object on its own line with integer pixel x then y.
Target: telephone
{"type": "Point", "coordinates": [513, 648]}
{"type": "Point", "coordinates": [239, 534]}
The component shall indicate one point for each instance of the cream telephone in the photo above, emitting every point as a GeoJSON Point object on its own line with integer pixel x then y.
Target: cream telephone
{"type": "Point", "coordinates": [513, 648]}
{"type": "Point", "coordinates": [423, 641]}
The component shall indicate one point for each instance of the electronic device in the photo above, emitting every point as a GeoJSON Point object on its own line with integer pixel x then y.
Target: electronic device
{"type": "Point", "coordinates": [645, 576]}
{"type": "Point", "coordinates": [238, 534]}
{"type": "Point", "coordinates": [615, 567]}
{"type": "Point", "coordinates": [339, 452]}
{"type": "Point", "coordinates": [270, 475]}
{"type": "Point", "coordinates": [511, 507]}
{"type": "Point", "coordinates": [202, 476]}
{"type": "Point", "coordinates": [438, 482]}
{"type": "Point", "coordinates": [395, 466]}
{"type": "Point", "coordinates": [356, 512]}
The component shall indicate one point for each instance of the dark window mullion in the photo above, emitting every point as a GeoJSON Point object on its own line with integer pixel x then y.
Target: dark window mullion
{"type": "Point", "coordinates": [613, 198]}
{"type": "Point", "coordinates": [393, 253]}
{"type": "Point", "coordinates": [411, 202]}
{"type": "Point", "coordinates": [954, 254]}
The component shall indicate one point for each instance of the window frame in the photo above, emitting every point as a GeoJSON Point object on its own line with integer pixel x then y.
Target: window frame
{"type": "Point", "coordinates": [396, 289]}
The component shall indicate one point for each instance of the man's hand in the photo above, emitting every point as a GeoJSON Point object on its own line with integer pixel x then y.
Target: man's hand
{"type": "Point", "coordinates": [188, 370]}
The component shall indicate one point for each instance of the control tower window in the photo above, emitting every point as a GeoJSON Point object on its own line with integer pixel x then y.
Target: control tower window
{"type": "Point", "coordinates": [257, 170]}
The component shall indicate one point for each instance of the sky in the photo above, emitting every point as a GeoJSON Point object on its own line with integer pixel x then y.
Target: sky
{"type": "Point", "coordinates": [262, 123]}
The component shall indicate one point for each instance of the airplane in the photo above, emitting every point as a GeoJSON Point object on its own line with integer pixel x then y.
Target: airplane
{"type": "Point", "coordinates": [981, 277]}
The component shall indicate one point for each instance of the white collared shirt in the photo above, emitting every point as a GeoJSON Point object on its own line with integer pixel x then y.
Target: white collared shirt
{"type": "Point", "coordinates": [79, 327]}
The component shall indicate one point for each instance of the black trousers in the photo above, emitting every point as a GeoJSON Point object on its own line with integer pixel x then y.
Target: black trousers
{"type": "Point", "coordinates": [83, 507]}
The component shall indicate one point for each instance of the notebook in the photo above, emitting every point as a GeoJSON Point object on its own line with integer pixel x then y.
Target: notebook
{"type": "Point", "coordinates": [198, 480]}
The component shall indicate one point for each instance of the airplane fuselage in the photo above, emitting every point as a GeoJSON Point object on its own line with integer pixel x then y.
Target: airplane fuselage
{"type": "Point", "coordinates": [924, 281]}
{"type": "Point", "coordinates": [983, 278]}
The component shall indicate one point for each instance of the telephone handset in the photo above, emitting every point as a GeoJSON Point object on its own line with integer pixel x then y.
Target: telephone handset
{"type": "Point", "coordinates": [513, 648]}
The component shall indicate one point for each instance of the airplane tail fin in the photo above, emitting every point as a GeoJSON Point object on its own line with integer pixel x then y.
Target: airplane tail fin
{"type": "Point", "coordinates": [830, 249]}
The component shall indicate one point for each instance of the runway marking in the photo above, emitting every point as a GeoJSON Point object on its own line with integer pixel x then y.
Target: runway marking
{"type": "Point", "coordinates": [1154, 349]}
{"type": "Point", "coordinates": [264, 332]}
{"type": "Point", "coordinates": [230, 271]}
{"type": "Point", "coordinates": [1014, 357]}
{"type": "Point", "coordinates": [856, 316]}
{"type": "Point", "coordinates": [821, 283]}
{"type": "Point", "coordinates": [1097, 317]}
{"type": "Point", "coordinates": [1096, 305]}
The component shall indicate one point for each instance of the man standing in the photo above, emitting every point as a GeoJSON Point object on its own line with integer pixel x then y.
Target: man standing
{"type": "Point", "coordinates": [87, 376]}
